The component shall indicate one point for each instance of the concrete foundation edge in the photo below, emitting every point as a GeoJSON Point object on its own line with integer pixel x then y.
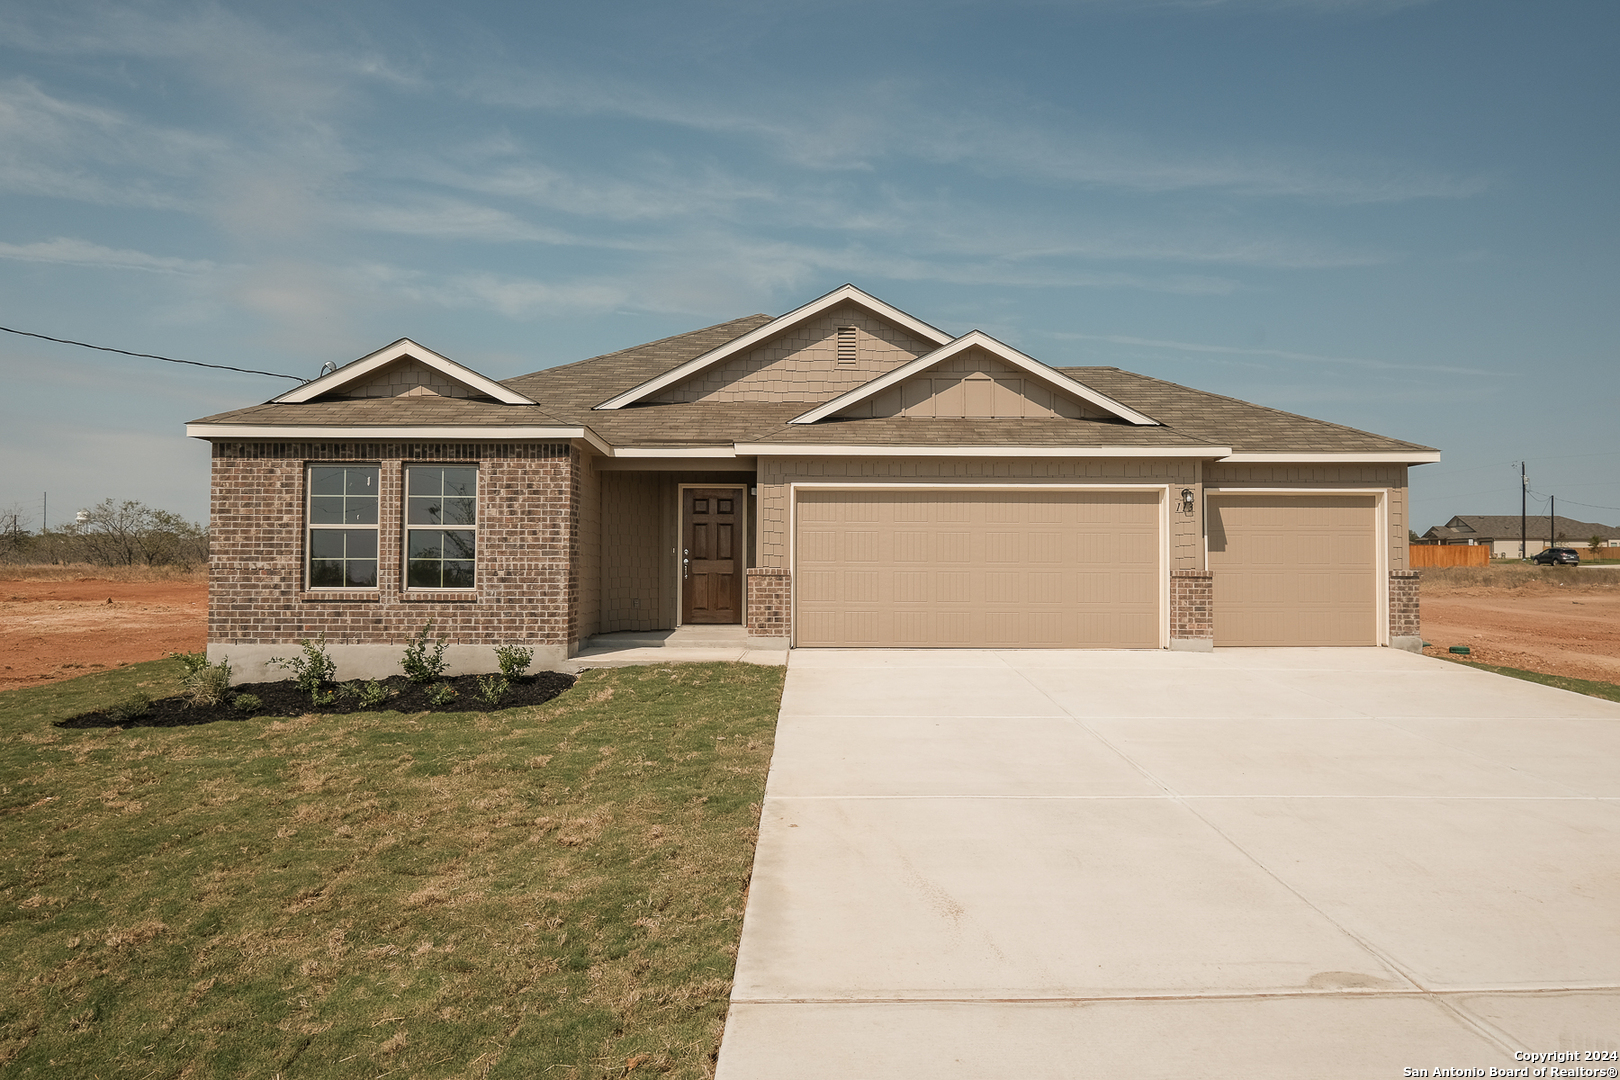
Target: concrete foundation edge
{"type": "Point", "coordinates": [251, 663]}
{"type": "Point", "coordinates": [1407, 644]}
{"type": "Point", "coordinates": [1202, 644]}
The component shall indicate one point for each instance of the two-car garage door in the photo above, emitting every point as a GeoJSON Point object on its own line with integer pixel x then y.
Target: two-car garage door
{"type": "Point", "coordinates": [974, 568]}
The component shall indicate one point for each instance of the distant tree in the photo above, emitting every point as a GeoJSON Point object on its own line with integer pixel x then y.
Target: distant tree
{"type": "Point", "coordinates": [125, 533]}
{"type": "Point", "coordinates": [15, 538]}
{"type": "Point", "coordinates": [1595, 542]}
{"type": "Point", "coordinates": [1412, 536]}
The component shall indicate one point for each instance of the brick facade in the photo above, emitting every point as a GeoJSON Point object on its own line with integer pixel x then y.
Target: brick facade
{"type": "Point", "coordinates": [769, 602]}
{"type": "Point", "coordinates": [1404, 620]}
{"type": "Point", "coordinates": [1192, 605]}
{"type": "Point", "coordinates": [528, 548]}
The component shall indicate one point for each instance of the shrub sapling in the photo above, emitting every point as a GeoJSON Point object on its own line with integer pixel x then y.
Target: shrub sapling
{"type": "Point", "coordinates": [423, 663]}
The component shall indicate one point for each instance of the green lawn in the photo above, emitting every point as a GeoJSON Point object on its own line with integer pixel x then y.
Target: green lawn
{"type": "Point", "coordinates": [539, 892]}
{"type": "Point", "coordinates": [1589, 687]}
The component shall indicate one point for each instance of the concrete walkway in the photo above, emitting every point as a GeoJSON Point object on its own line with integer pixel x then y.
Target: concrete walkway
{"type": "Point", "coordinates": [686, 645]}
{"type": "Point", "coordinates": [1252, 863]}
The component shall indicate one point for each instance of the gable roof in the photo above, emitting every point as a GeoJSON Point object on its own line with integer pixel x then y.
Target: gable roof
{"type": "Point", "coordinates": [1181, 421]}
{"type": "Point", "coordinates": [842, 294]}
{"type": "Point", "coordinates": [975, 339]}
{"type": "Point", "coordinates": [357, 370]}
{"type": "Point", "coordinates": [1507, 527]}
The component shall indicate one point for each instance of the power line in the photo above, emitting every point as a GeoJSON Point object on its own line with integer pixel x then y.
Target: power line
{"type": "Point", "coordinates": [153, 356]}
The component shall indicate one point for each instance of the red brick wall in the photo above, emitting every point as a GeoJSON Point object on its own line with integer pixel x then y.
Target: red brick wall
{"type": "Point", "coordinates": [769, 611]}
{"type": "Point", "coordinates": [1404, 620]}
{"type": "Point", "coordinates": [1192, 605]}
{"type": "Point", "coordinates": [528, 548]}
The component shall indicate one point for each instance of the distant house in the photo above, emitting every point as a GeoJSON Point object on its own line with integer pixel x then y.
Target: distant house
{"type": "Point", "coordinates": [842, 475]}
{"type": "Point", "coordinates": [1502, 532]}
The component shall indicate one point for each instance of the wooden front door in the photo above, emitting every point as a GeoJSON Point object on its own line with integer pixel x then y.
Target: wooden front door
{"type": "Point", "coordinates": [711, 555]}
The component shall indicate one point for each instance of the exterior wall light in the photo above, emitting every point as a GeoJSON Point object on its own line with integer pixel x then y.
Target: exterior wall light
{"type": "Point", "coordinates": [1187, 500]}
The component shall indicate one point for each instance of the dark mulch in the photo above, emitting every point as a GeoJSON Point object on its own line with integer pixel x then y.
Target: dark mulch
{"type": "Point", "coordinates": [285, 699]}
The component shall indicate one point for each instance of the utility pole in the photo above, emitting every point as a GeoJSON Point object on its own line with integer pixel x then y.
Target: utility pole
{"type": "Point", "coordinates": [44, 513]}
{"type": "Point", "coordinates": [1552, 520]}
{"type": "Point", "coordinates": [1524, 490]}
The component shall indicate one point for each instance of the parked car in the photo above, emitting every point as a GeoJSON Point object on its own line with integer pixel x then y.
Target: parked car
{"type": "Point", "coordinates": [1557, 556]}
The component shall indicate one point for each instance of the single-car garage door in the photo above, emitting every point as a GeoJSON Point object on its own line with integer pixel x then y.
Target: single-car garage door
{"type": "Point", "coordinates": [1294, 570]}
{"type": "Point", "coordinates": [976, 569]}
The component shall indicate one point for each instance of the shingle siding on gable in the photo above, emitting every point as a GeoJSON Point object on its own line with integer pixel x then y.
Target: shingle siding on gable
{"type": "Point", "coordinates": [803, 365]}
{"type": "Point", "coordinates": [971, 385]}
{"type": "Point", "coordinates": [408, 378]}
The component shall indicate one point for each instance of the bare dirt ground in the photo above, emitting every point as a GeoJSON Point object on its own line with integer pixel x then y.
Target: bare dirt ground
{"type": "Point", "coordinates": [1562, 622]}
{"type": "Point", "coordinates": [1568, 627]}
{"type": "Point", "coordinates": [53, 630]}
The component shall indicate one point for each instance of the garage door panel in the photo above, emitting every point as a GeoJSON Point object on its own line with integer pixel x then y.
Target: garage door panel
{"type": "Point", "coordinates": [1011, 569]}
{"type": "Point", "coordinates": [1294, 570]}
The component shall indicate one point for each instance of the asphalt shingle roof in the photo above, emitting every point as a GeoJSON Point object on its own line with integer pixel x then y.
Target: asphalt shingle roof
{"type": "Point", "coordinates": [567, 396]}
{"type": "Point", "coordinates": [1507, 527]}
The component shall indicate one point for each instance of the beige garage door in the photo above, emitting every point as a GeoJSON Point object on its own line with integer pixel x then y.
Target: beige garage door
{"type": "Point", "coordinates": [972, 569]}
{"type": "Point", "coordinates": [1294, 570]}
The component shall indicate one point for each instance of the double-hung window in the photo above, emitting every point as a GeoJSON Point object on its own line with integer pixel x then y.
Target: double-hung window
{"type": "Point", "coordinates": [441, 526]}
{"type": "Point", "coordinates": [342, 526]}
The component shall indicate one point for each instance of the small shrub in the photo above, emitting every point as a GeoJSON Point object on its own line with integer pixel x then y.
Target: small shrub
{"type": "Point", "coordinates": [247, 703]}
{"type": "Point", "coordinates": [514, 660]}
{"type": "Point", "coordinates": [204, 685]}
{"type": "Point", "coordinates": [443, 694]}
{"type": "Point", "coordinates": [423, 663]}
{"type": "Point", "coordinates": [311, 671]}
{"type": "Point", "coordinates": [133, 707]}
{"type": "Point", "coordinates": [369, 694]}
{"type": "Point", "coordinates": [492, 688]}
{"type": "Point", "coordinates": [191, 661]}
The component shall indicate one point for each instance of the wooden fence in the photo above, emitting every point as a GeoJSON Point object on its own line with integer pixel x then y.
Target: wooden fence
{"type": "Point", "coordinates": [1421, 555]}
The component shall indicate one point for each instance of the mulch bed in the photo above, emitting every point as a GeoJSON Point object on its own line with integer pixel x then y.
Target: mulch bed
{"type": "Point", "coordinates": [285, 699]}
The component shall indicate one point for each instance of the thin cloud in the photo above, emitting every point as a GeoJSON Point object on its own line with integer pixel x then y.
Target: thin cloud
{"type": "Point", "coordinates": [886, 119]}
{"type": "Point", "coordinates": [73, 252]}
{"type": "Point", "coordinates": [1278, 354]}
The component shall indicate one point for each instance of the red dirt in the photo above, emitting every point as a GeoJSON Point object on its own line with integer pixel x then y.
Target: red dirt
{"type": "Point", "coordinates": [1571, 630]}
{"type": "Point", "coordinates": [53, 630]}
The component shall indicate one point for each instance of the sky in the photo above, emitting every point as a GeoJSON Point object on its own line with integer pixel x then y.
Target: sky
{"type": "Point", "coordinates": [1399, 216]}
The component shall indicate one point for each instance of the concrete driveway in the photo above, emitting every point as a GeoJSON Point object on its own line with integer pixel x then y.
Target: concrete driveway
{"type": "Point", "coordinates": [1249, 863]}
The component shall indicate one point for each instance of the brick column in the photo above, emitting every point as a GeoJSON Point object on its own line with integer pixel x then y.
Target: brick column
{"type": "Point", "coordinates": [769, 610]}
{"type": "Point", "coordinates": [1405, 623]}
{"type": "Point", "coordinates": [1192, 610]}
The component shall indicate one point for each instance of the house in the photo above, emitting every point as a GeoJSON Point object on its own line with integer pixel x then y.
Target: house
{"type": "Point", "coordinates": [1504, 532]}
{"type": "Point", "coordinates": [842, 475]}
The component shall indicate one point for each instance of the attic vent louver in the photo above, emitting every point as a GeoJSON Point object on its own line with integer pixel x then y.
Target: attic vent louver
{"type": "Point", "coordinates": [846, 346]}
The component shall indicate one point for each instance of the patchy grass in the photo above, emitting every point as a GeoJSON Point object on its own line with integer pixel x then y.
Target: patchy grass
{"type": "Point", "coordinates": [1589, 687]}
{"type": "Point", "coordinates": [196, 575]}
{"type": "Point", "coordinates": [553, 891]}
{"type": "Point", "coordinates": [1440, 580]}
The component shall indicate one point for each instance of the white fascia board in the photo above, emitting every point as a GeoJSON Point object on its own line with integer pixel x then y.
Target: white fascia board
{"type": "Point", "coordinates": [772, 328]}
{"type": "Point", "coordinates": [364, 366]}
{"type": "Point", "coordinates": [675, 451]}
{"type": "Point", "coordinates": [1049, 375]}
{"type": "Point", "coordinates": [323, 432]}
{"type": "Point", "coordinates": [791, 450]}
{"type": "Point", "coordinates": [1370, 457]}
